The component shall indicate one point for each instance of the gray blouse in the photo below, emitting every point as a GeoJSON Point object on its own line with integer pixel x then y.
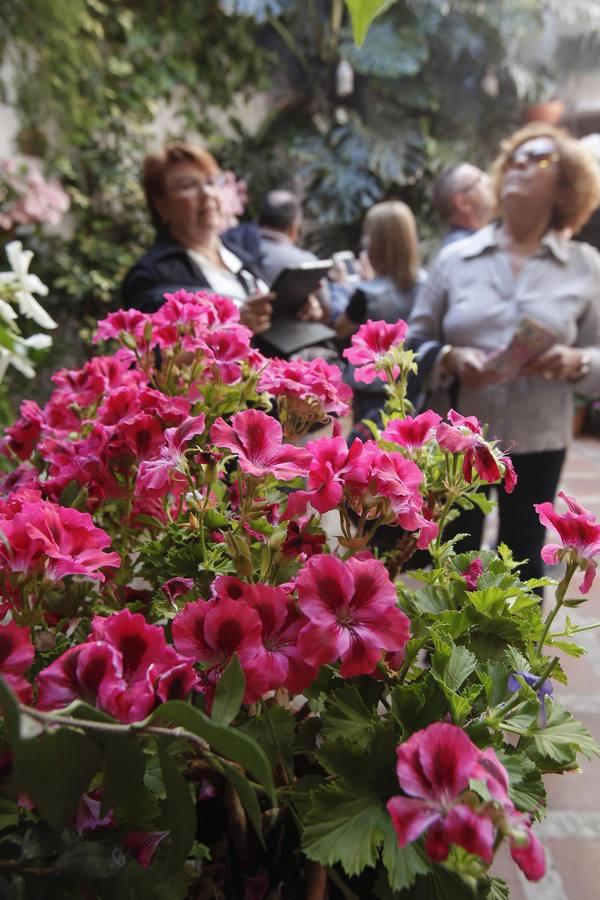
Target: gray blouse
{"type": "Point", "coordinates": [472, 299]}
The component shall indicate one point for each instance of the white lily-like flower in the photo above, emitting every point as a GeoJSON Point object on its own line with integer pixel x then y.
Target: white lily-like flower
{"type": "Point", "coordinates": [25, 284]}
{"type": "Point", "coordinates": [7, 312]}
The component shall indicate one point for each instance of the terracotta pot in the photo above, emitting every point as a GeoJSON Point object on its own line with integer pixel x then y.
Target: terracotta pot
{"type": "Point", "coordinates": [550, 112]}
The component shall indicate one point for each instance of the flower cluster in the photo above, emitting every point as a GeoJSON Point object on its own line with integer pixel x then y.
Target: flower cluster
{"type": "Point", "coordinates": [580, 535]}
{"type": "Point", "coordinates": [26, 198]}
{"type": "Point", "coordinates": [125, 668]}
{"type": "Point", "coordinates": [166, 567]}
{"type": "Point", "coordinates": [436, 768]}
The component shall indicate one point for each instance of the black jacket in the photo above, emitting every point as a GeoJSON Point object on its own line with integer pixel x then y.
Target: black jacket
{"type": "Point", "coordinates": [166, 268]}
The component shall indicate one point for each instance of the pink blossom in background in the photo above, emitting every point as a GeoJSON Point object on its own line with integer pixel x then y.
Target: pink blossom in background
{"type": "Point", "coordinates": [87, 815]}
{"type": "Point", "coordinates": [256, 439]}
{"type": "Point", "coordinates": [370, 344]}
{"type": "Point", "coordinates": [233, 196]}
{"type": "Point", "coordinates": [410, 432]}
{"type": "Point", "coordinates": [579, 533]}
{"type": "Point", "coordinates": [16, 655]}
{"type": "Point", "coordinates": [315, 381]}
{"type": "Point", "coordinates": [55, 541]}
{"type": "Point", "coordinates": [352, 611]}
{"type": "Point", "coordinates": [143, 845]}
{"type": "Point", "coordinates": [27, 198]}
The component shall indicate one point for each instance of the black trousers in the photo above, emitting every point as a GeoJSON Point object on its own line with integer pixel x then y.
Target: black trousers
{"type": "Point", "coordinates": [520, 529]}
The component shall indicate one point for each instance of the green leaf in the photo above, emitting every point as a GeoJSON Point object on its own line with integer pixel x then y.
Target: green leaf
{"type": "Point", "coordinates": [419, 704]}
{"type": "Point", "coordinates": [498, 890]}
{"type": "Point", "coordinates": [526, 788]}
{"type": "Point", "coordinates": [563, 737]}
{"type": "Point", "coordinates": [403, 864]}
{"type": "Point", "coordinates": [229, 742]}
{"type": "Point", "coordinates": [181, 813]}
{"type": "Point", "coordinates": [388, 52]}
{"type": "Point", "coordinates": [362, 13]}
{"type": "Point", "coordinates": [55, 770]}
{"type": "Point", "coordinates": [345, 825]}
{"type": "Point", "coordinates": [229, 693]}
{"type": "Point", "coordinates": [247, 795]}
{"type": "Point", "coordinates": [347, 715]}
{"type": "Point", "coordinates": [124, 766]}
{"type": "Point", "coordinates": [261, 727]}
{"type": "Point", "coordinates": [453, 670]}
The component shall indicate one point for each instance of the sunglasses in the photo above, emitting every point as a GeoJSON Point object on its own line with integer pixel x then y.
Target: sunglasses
{"type": "Point", "coordinates": [541, 158]}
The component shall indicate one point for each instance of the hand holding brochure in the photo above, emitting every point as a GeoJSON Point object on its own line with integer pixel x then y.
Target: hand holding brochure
{"type": "Point", "coordinates": [529, 340]}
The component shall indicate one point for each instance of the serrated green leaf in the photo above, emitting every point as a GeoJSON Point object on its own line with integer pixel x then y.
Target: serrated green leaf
{"type": "Point", "coordinates": [229, 742]}
{"type": "Point", "coordinates": [454, 670]}
{"type": "Point", "coordinates": [345, 826]}
{"type": "Point", "coordinates": [568, 647]}
{"type": "Point", "coordinates": [417, 705]}
{"type": "Point", "coordinates": [229, 693]}
{"type": "Point", "coordinates": [526, 788]}
{"type": "Point", "coordinates": [347, 715]}
{"type": "Point", "coordinates": [402, 864]}
{"type": "Point", "coordinates": [563, 737]}
{"type": "Point", "coordinates": [181, 813]}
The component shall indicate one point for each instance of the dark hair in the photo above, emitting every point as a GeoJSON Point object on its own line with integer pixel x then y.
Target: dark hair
{"type": "Point", "coordinates": [444, 189]}
{"type": "Point", "coordinates": [280, 210]}
{"type": "Point", "coordinates": [156, 166]}
{"type": "Point", "coordinates": [578, 191]}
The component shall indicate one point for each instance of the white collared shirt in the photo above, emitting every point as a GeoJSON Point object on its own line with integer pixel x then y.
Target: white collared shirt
{"type": "Point", "coordinates": [472, 299]}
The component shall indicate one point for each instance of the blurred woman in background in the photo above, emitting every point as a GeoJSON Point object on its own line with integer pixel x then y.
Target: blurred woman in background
{"type": "Point", "coordinates": [389, 291]}
{"type": "Point", "coordinates": [479, 292]}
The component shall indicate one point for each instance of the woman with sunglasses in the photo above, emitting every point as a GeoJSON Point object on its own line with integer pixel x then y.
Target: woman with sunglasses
{"type": "Point", "coordinates": [524, 266]}
{"type": "Point", "coordinates": [182, 187]}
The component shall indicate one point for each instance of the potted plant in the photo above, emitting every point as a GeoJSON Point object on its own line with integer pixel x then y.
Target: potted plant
{"type": "Point", "coordinates": [206, 693]}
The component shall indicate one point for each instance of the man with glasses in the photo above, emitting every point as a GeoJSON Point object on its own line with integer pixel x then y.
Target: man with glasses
{"type": "Point", "coordinates": [463, 198]}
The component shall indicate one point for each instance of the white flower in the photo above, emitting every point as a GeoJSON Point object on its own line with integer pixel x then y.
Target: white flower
{"type": "Point", "coordinates": [26, 284]}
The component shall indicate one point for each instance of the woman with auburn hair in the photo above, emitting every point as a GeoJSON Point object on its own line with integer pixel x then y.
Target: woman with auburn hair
{"type": "Point", "coordinates": [484, 288]}
{"type": "Point", "coordinates": [390, 242]}
{"type": "Point", "coordinates": [182, 185]}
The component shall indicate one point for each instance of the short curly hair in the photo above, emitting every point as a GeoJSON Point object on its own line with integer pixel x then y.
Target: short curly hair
{"type": "Point", "coordinates": [578, 191]}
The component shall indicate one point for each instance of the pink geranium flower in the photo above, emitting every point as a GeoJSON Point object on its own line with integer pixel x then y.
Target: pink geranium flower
{"type": "Point", "coordinates": [330, 465]}
{"type": "Point", "coordinates": [580, 536]}
{"type": "Point", "coordinates": [370, 347]}
{"type": "Point", "coordinates": [282, 664]}
{"type": "Point", "coordinates": [352, 614]}
{"type": "Point", "coordinates": [90, 672]}
{"type": "Point", "coordinates": [434, 768]}
{"type": "Point", "coordinates": [143, 845]}
{"type": "Point", "coordinates": [56, 540]}
{"type": "Point", "coordinates": [464, 435]}
{"type": "Point", "coordinates": [314, 381]}
{"type": "Point", "coordinates": [411, 433]}
{"type": "Point", "coordinates": [211, 632]}
{"type": "Point", "coordinates": [256, 439]}
{"type": "Point", "coordinates": [154, 474]}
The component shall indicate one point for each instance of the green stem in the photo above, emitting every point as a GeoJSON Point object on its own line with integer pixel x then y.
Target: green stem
{"type": "Point", "coordinates": [56, 719]}
{"type": "Point", "coordinates": [561, 591]}
{"type": "Point", "coordinates": [290, 41]}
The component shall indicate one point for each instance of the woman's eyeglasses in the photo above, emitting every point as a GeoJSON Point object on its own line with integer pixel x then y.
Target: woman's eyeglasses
{"type": "Point", "coordinates": [189, 186]}
{"type": "Point", "coordinates": [541, 158]}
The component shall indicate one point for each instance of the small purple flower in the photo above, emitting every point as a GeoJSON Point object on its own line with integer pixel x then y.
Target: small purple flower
{"type": "Point", "coordinates": [542, 690]}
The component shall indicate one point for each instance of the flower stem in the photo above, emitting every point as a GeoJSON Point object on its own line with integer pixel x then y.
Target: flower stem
{"type": "Point", "coordinates": [561, 591]}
